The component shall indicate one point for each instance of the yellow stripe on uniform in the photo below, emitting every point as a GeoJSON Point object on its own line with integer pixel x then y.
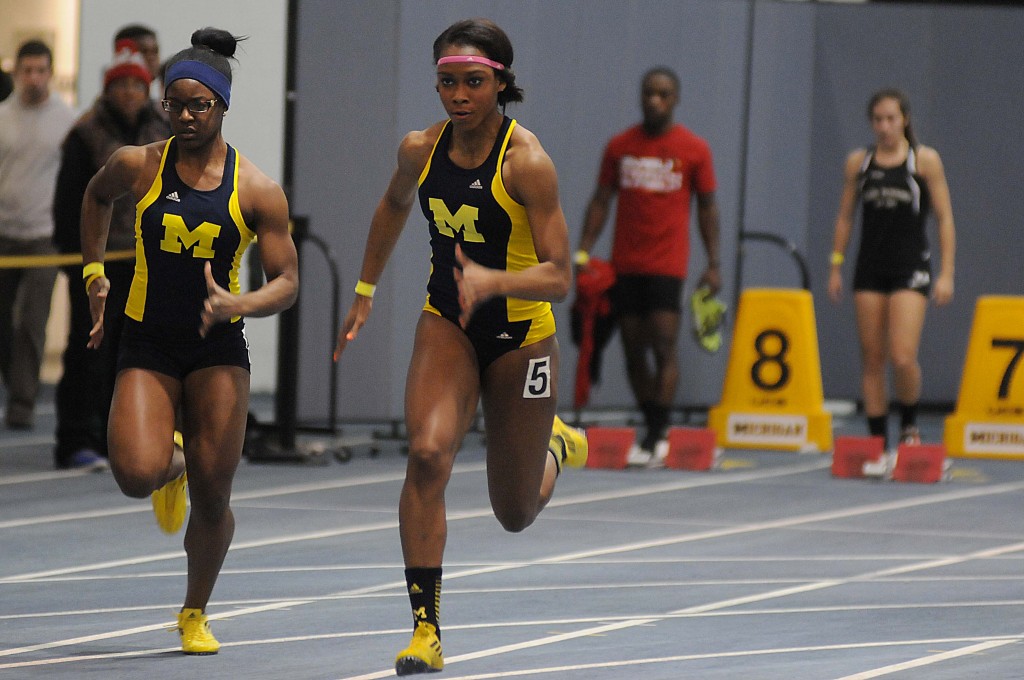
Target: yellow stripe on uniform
{"type": "Point", "coordinates": [137, 294]}
{"type": "Point", "coordinates": [245, 234]}
{"type": "Point", "coordinates": [520, 253]}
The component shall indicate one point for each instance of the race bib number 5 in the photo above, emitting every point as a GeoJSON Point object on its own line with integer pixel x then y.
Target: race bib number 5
{"type": "Point", "coordinates": [538, 379]}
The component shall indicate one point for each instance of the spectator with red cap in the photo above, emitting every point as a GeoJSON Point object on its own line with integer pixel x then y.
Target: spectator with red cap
{"type": "Point", "coordinates": [123, 114]}
{"type": "Point", "coordinates": [149, 47]}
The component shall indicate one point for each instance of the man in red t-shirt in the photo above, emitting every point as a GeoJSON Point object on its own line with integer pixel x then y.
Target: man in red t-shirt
{"type": "Point", "coordinates": [655, 168]}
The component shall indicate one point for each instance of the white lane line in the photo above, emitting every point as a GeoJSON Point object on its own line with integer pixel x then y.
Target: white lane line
{"type": "Point", "coordinates": [986, 643]}
{"type": "Point", "coordinates": [142, 629]}
{"type": "Point", "coordinates": [722, 604]}
{"type": "Point", "coordinates": [454, 592]}
{"type": "Point", "coordinates": [476, 513]}
{"type": "Point", "coordinates": [48, 476]}
{"type": "Point", "coordinates": [746, 653]}
{"type": "Point", "coordinates": [730, 531]}
{"type": "Point", "coordinates": [928, 660]}
{"type": "Point", "coordinates": [860, 578]}
{"type": "Point", "coordinates": [333, 569]}
{"type": "Point", "coordinates": [273, 492]}
{"type": "Point", "coordinates": [760, 526]}
{"type": "Point", "coordinates": [380, 478]}
{"type": "Point", "coordinates": [994, 641]}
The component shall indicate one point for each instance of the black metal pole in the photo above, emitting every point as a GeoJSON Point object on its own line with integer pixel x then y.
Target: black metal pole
{"type": "Point", "coordinates": [286, 396]}
{"type": "Point", "coordinates": [741, 214]}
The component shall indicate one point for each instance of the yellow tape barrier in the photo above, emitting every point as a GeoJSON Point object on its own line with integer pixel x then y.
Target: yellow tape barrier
{"type": "Point", "coordinates": [26, 261]}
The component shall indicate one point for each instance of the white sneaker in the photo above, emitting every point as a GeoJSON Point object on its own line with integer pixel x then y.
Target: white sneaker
{"type": "Point", "coordinates": [882, 468]}
{"type": "Point", "coordinates": [660, 454]}
{"type": "Point", "coordinates": [638, 457]}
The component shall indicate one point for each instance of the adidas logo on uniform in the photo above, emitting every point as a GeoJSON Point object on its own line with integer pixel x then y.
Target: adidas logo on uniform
{"type": "Point", "coordinates": [173, 196]}
{"type": "Point", "coordinates": [503, 336]}
{"type": "Point", "coordinates": [476, 184]}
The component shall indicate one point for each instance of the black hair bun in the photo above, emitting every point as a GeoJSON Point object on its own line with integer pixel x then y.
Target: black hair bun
{"type": "Point", "coordinates": [216, 39]}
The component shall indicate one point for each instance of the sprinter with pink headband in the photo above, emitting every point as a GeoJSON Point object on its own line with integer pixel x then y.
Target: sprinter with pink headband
{"type": "Point", "coordinates": [499, 257]}
{"type": "Point", "coordinates": [199, 204]}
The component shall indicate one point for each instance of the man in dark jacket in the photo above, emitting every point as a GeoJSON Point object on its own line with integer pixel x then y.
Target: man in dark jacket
{"type": "Point", "coordinates": [122, 115]}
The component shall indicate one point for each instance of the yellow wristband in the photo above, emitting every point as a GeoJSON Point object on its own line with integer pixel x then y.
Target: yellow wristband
{"type": "Point", "coordinates": [581, 258]}
{"type": "Point", "coordinates": [837, 258]}
{"type": "Point", "coordinates": [91, 272]}
{"type": "Point", "coordinates": [92, 268]}
{"type": "Point", "coordinates": [365, 289]}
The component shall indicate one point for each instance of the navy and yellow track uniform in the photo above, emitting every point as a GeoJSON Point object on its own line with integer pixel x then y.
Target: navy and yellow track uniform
{"type": "Point", "coordinates": [893, 252]}
{"type": "Point", "coordinates": [471, 207]}
{"type": "Point", "coordinates": [178, 230]}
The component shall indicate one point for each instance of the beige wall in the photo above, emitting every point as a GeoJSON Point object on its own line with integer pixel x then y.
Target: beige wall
{"type": "Point", "coordinates": [53, 21]}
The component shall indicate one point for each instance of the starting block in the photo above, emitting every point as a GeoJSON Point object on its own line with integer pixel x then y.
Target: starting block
{"type": "Point", "coordinates": [692, 448]}
{"type": "Point", "coordinates": [851, 453]}
{"type": "Point", "coordinates": [922, 463]}
{"type": "Point", "coordinates": [609, 446]}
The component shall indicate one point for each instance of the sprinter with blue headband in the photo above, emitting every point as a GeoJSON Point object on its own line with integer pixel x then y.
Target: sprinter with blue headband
{"type": "Point", "coordinates": [199, 203]}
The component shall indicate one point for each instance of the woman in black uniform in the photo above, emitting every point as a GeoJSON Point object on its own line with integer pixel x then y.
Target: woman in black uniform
{"type": "Point", "coordinates": [199, 204]}
{"type": "Point", "coordinates": [897, 181]}
{"type": "Point", "coordinates": [499, 256]}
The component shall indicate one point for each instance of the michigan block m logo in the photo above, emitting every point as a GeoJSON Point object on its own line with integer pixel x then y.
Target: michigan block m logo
{"type": "Point", "coordinates": [463, 220]}
{"type": "Point", "coordinates": [199, 240]}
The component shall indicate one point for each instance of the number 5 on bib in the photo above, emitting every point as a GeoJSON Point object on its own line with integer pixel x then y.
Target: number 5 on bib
{"type": "Point", "coordinates": [772, 397]}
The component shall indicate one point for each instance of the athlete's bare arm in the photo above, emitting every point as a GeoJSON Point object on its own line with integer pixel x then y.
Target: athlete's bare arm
{"type": "Point", "coordinates": [930, 166]}
{"type": "Point", "coordinates": [844, 219]}
{"type": "Point", "coordinates": [129, 169]}
{"type": "Point", "coordinates": [265, 210]}
{"type": "Point", "coordinates": [387, 224]}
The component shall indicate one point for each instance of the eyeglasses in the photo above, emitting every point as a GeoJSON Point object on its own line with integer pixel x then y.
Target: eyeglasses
{"type": "Point", "coordinates": [193, 105]}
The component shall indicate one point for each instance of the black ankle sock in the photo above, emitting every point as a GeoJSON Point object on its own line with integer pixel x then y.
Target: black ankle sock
{"type": "Point", "coordinates": [908, 415]}
{"type": "Point", "coordinates": [878, 426]}
{"type": "Point", "coordinates": [656, 418]}
{"type": "Point", "coordinates": [424, 588]}
{"type": "Point", "coordinates": [557, 452]}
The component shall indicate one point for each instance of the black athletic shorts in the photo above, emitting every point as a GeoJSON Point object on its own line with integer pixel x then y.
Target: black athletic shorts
{"type": "Point", "coordinates": [489, 346]}
{"type": "Point", "coordinates": [225, 345]}
{"type": "Point", "coordinates": [917, 279]}
{"type": "Point", "coordinates": [641, 294]}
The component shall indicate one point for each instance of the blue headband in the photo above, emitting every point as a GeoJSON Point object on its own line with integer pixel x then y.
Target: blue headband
{"type": "Point", "coordinates": [205, 74]}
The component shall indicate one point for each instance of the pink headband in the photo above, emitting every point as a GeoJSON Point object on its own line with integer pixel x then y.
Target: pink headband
{"type": "Point", "coordinates": [470, 59]}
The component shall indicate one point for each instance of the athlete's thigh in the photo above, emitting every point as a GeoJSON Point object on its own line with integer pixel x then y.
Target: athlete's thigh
{"type": "Point", "coordinates": [663, 325]}
{"type": "Point", "coordinates": [216, 406]}
{"type": "Point", "coordinates": [520, 396]}
{"type": "Point", "coordinates": [872, 320]}
{"type": "Point", "coordinates": [442, 388]}
{"type": "Point", "coordinates": [141, 424]}
{"type": "Point", "coordinates": [635, 337]}
{"type": "Point", "coordinates": [906, 320]}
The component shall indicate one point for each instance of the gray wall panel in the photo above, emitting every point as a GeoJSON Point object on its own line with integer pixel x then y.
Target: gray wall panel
{"type": "Point", "coordinates": [344, 141]}
{"type": "Point", "coordinates": [366, 79]}
{"type": "Point", "coordinates": [959, 67]}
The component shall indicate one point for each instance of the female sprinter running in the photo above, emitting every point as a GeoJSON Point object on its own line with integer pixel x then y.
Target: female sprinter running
{"type": "Point", "coordinates": [199, 204]}
{"type": "Point", "coordinates": [499, 257]}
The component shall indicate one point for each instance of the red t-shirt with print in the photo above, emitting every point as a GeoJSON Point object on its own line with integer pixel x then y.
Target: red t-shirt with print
{"type": "Point", "coordinates": [655, 178]}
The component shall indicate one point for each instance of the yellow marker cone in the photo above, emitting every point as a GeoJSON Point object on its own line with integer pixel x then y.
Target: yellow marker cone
{"type": "Point", "coordinates": [989, 417]}
{"type": "Point", "coordinates": [772, 397]}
